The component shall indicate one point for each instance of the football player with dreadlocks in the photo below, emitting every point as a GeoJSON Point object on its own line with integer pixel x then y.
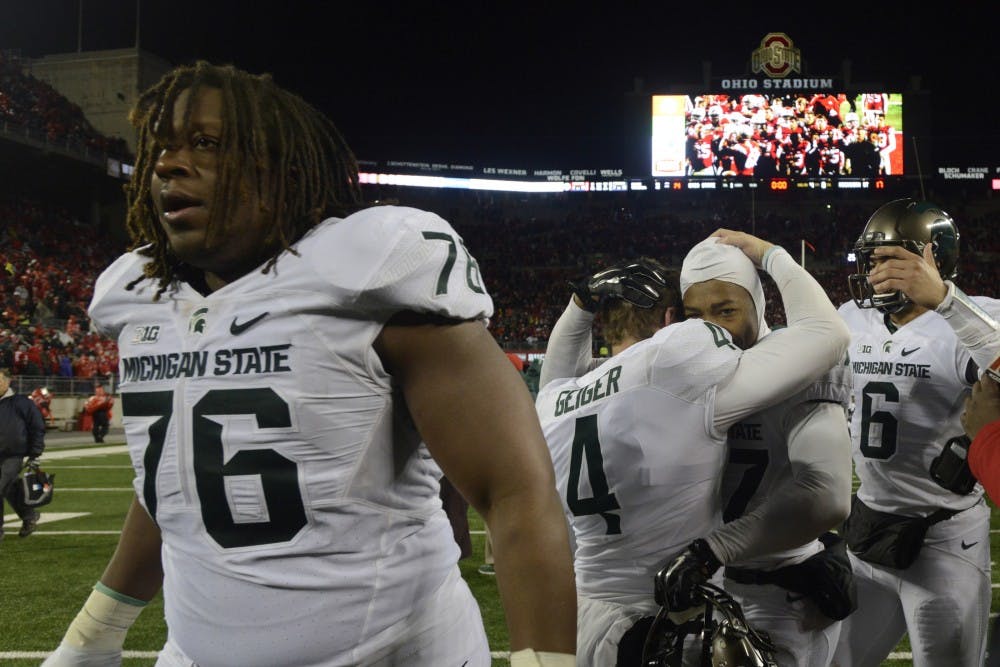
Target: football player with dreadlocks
{"type": "Point", "coordinates": [918, 532]}
{"type": "Point", "coordinates": [282, 386]}
{"type": "Point", "coordinates": [639, 440]}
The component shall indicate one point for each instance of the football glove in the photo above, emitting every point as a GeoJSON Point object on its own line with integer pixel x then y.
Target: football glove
{"type": "Point", "coordinates": [675, 586]}
{"type": "Point", "coordinates": [636, 282]}
{"type": "Point", "coordinates": [96, 635]}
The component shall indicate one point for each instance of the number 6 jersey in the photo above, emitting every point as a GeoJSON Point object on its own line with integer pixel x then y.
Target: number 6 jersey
{"type": "Point", "coordinates": [298, 508]}
{"type": "Point", "coordinates": [910, 386]}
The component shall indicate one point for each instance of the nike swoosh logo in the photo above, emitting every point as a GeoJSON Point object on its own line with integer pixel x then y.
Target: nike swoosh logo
{"type": "Point", "coordinates": [968, 546]}
{"type": "Point", "coordinates": [237, 328]}
{"type": "Point", "coordinates": [907, 353]}
{"type": "Point", "coordinates": [794, 598]}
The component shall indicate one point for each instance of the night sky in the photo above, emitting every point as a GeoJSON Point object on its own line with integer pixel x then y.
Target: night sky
{"type": "Point", "coordinates": [514, 85]}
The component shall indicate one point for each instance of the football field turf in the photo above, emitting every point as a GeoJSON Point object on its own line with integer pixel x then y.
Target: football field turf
{"type": "Point", "coordinates": [45, 578]}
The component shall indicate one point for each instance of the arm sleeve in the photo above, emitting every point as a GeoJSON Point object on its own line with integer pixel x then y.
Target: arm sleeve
{"type": "Point", "coordinates": [984, 459]}
{"type": "Point", "coordinates": [813, 500]}
{"type": "Point", "coordinates": [779, 366]}
{"type": "Point", "coordinates": [568, 351]}
{"type": "Point", "coordinates": [977, 329]}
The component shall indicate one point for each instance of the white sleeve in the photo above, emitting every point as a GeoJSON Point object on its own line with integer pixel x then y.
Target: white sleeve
{"type": "Point", "coordinates": [813, 500]}
{"type": "Point", "coordinates": [568, 351]}
{"type": "Point", "coordinates": [778, 366]}
{"type": "Point", "coordinates": [978, 331]}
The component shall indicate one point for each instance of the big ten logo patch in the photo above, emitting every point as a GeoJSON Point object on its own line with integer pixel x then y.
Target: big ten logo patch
{"type": "Point", "coordinates": [146, 334]}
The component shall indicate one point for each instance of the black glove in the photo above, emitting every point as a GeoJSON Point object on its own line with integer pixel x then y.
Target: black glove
{"type": "Point", "coordinates": [675, 585]}
{"type": "Point", "coordinates": [636, 282]}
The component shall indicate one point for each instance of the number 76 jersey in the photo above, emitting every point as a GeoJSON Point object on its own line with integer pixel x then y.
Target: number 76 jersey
{"type": "Point", "coordinates": [298, 508]}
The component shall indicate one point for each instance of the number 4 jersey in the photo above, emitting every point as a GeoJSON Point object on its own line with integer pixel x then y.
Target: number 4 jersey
{"type": "Point", "coordinates": [910, 386]}
{"type": "Point", "coordinates": [298, 508]}
{"type": "Point", "coordinates": [637, 458]}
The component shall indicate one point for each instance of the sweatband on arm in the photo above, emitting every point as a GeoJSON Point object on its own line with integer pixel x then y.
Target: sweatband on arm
{"type": "Point", "coordinates": [104, 620]}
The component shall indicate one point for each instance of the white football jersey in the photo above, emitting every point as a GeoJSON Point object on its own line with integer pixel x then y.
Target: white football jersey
{"type": "Point", "coordinates": [758, 458]}
{"type": "Point", "coordinates": [298, 507]}
{"type": "Point", "coordinates": [909, 392]}
{"type": "Point", "coordinates": [636, 456]}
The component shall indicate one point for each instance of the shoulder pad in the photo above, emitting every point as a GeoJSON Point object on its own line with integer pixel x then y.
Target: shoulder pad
{"type": "Point", "coordinates": [693, 356]}
{"type": "Point", "coordinates": [387, 259]}
{"type": "Point", "coordinates": [112, 303]}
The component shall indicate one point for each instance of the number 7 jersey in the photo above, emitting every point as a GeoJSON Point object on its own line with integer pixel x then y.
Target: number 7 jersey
{"type": "Point", "coordinates": [298, 507]}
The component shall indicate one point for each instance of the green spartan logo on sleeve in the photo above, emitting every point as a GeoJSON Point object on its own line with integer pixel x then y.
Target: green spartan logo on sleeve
{"type": "Point", "coordinates": [197, 321]}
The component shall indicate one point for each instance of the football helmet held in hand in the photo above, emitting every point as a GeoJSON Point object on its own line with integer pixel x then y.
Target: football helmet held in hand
{"type": "Point", "coordinates": [639, 283]}
{"type": "Point", "coordinates": [676, 586]}
{"type": "Point", "coordinates": [721, 631]}
{"type": "Point", "coordinates": [35, 488]}
{"type": "Point", "coordinates": [911, 224]}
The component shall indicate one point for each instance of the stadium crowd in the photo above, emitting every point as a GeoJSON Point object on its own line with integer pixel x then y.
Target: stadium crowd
{"type": "Point", "coordinates": [527, 248]}
{"type": "Point", "coordinates": [37, 107]}
{"type": "Point", "coordinates": [528, 245]}
{"type": "Point", "coordinates": [48, 264]}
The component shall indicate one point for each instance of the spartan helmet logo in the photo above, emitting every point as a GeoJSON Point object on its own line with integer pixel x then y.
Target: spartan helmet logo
{"type": "Point", "coordinates": [197, 322]}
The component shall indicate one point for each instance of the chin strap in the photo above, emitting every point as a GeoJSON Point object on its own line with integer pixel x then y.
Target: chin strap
{"type": "Point", "coordinates": [889, 324]}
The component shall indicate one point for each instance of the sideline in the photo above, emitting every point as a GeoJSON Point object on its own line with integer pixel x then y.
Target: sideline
{"type": "Point", "coordinates": [49, 455]}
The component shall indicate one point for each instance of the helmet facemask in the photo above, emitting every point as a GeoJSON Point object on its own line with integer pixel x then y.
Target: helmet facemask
{"type": "Point", "coordinates": [720, 632]}
{"type": "Point", "coordinates": [911, 225]}
{"type": "Point", "coordinates": [863, 293]}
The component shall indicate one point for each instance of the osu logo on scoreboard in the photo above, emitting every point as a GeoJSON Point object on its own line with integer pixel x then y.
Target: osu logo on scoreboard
{"type": "Point", "coordinates": [776, 56]}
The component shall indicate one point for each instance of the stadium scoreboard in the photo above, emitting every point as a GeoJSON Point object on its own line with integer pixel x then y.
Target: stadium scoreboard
{"type": "Point", "coordinates": [776, 184]}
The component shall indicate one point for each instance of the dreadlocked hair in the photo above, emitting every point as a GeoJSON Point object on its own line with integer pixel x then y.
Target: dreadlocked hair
{"type": "Point", "coordinates": [621, 319]}
{"type": "Point", "coordinates": [274, 145]}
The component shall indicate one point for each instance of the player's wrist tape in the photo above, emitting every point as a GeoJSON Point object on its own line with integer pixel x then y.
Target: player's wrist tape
{"type": "Point", "coordinates": [531, 658]}
{"type": "Point", "coordinates": [949, 296]}
{"type": "Point", "coordinates": [973, 325]}
{"type": "Point", "coordinates": [104, 620]}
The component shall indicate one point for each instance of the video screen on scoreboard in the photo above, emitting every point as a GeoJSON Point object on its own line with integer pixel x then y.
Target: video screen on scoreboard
{"type": "Point", "coordinates": [771, 135]}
